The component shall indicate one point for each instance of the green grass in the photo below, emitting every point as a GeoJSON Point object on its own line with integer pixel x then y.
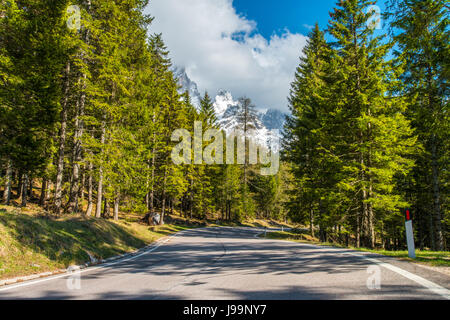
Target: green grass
{"type": "Point", "coordinates": [30, 243]}
{"type": "Point", "coordinates": [433, 258]}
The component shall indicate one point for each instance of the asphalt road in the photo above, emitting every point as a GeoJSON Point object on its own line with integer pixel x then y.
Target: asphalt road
{"type": "Point", "coordinates": [234, 264]}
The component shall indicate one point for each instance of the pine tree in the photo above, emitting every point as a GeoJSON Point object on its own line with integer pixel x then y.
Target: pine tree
{"type": "Point", "coordinates": [35, 47]}
{"type": "Point", "coordinates": [82, 60]}
{"type": "Point", "coordinates": [207, 112]}
{"type": "Point", "coordinates": [372, 136]}
{"type": "Point", "coordinates": [246, 119]}
{"type": "Point", "coordinates": [207, 173]}
{"type": "Point", "coordinates": [347, 140]}
{"type": "Point", "coordinates": [420, 31]}
{"type": "Point", "coordinates": [303, 135]}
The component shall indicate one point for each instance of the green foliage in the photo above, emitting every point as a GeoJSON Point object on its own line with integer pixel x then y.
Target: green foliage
{"type": "Point", "coordinates": [366, 136]}
{"type": "Point", "coordinates": [347, 139]}
{"type": "Point", "coordinates": [420, 31]}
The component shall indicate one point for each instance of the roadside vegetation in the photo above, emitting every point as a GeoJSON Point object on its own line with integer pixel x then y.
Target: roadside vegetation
{"type": "Point", "coordinates": [428, 257]}
{"type": "Point", "coordinates": [368, 133]}
{"type": "Point", "coordinates": [34, 242]}
{"type": "Point", "coordinates": [87, 115]}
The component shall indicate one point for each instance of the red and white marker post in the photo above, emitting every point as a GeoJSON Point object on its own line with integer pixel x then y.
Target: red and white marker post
{"type": "Point", "coordinates": [410, 234]}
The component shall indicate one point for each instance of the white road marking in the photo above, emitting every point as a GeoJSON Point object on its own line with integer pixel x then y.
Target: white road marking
{"type": "Point", "coordinates": [33, 282]}
{"type": "Point", "coordinates": [437, 289]}
{"type": "Point", "coordinates": [425, 283]}
{"type": "Point", "coordinates": [443, 292]}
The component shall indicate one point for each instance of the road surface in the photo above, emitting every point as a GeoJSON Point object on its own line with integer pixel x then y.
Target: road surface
{"type": "Point", "coordinates": [232, 264]}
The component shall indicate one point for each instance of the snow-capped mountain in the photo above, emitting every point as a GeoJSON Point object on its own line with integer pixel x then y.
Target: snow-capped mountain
{"type": "Point", "coordinates": [267, 124]}
{"type": "Point", "coordinates": [188, 85]}
{"type": "Point", "coordinates": [223, 101]}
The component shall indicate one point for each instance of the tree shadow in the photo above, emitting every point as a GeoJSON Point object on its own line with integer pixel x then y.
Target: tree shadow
{"type": "Point", "coordinates": [212, 263]}
{"type": "Point", "coordinates": [70, 240]}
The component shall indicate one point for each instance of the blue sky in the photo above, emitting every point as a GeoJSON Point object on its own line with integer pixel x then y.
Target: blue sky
{"type": "Point", "coordinates": [248, 47]}
{"type": "Point", "coordinates": [274, 16]}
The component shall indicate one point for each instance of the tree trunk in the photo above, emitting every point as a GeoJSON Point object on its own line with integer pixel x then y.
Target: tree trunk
{"type": "Point", "coordinates": [62, 143]}
{"type": "Point", "coordinates": [147, 200]}
{"type": "Point", "coordinates": [371, 216]}
{"type": "Point", "coordinates": [106, 208]}
{"type": "Point", "coordinates": [47, 194]}
{"type": "Point", "coordinates": [24, 191]}
{"type": "Point", "coordinates": [8, 176]}
{"type": "Point", "coordinates": [43, 192]}
{"type": "Point", "coordinates": [78, 134]}
{"type": "Point", "coordinates": [30, 186]}
{"type": "Point", "coordinates": [163, 210]}
{"type": "Point", "coordinates": [77, 150]}
{"type": "Point", "coordinates": [90, 190]}
{"type": "Point", "coordinates": [82, 186]}
{"type": "Point", "coordinates": [311, 222]}
{"type": "Point", "coordinates": [116, 207]}
{"type": "Point", "coordinates": [152, 192]}
{"type": "Point", "coordinates": [436, 197]}
{"type": "Point", "coordinates": [371, 227]}
{"type": "Point", "coordinates": [19, 184]}
{"type": "Point", "coordinates": [432, 237]}
{"type": "Point", "coordinates": [98, 213]}
{"type": "Point", "coordinates": [191, 199]}
{"type": "Point", "coordinates": [358, 230]}
{"type": "Point", "coordinates": [364, 224]}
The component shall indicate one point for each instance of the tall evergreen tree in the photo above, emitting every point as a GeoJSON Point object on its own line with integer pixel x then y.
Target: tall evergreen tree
{"type": "Point", "coordinates": [303, 135]}
{"type": "Point", "coordinates": [420, 32]}
{"type": "Point", "coordinates": [373, 136]}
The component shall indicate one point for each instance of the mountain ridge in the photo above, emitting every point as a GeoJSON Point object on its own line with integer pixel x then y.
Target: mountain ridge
{"type": "Point", "coordinates": [268, 124]}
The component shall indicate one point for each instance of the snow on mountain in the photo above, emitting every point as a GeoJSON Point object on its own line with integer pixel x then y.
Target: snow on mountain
{"type": "Point", "coordinates": [266, 123]}
{"type": "Point", "coordinates": [187, 84]}
{"type": "Point", "coordinates": [223, 101]}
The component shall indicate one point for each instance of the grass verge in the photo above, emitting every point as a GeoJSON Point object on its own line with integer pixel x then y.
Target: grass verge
{"type": "Point", "coordinates": [431, 258]}
{"type": "Point", "coordinates": [31, 243]}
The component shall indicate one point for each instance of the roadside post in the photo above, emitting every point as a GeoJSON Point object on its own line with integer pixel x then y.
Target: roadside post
{"type": "Point", "coordinates": [410, 234]}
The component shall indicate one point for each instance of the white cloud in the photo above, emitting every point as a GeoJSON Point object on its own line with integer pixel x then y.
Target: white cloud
{"type": "Point", "coordinates": [222, 50]}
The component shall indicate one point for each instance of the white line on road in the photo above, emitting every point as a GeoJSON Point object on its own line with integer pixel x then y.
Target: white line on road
{"type": "Point", "coordinates": [443, 292]}
{"type": "Point", "coordinates": [425, 283]}
{"type": "Point", "coordinates": [26, 284]}
{"type": "Point", "coordinates": [437, 289]}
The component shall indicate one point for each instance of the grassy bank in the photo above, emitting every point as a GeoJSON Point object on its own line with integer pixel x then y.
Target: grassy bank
{"type": "Point", "coordinates": [33, 243]}
{"type": "Point", "coordinates": [432, 258]}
